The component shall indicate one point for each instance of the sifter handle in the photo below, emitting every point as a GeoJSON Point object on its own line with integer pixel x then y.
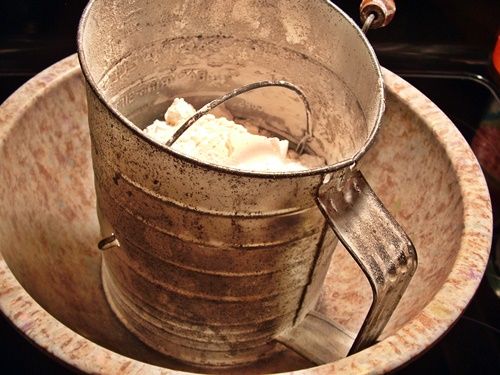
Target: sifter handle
{"type": "Point", "coordinates": [383, 10]}
{"type": "Point", "coordinates": [377, 243]}
{"type": "Point", "coordinates": [384, 253]}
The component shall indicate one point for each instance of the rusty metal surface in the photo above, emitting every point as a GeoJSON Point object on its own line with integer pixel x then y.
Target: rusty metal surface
{"type": "Point", "coordinates": [213, 262]}
{"type": "Point", "coordinates": [139, 57]}
{"type": "Point", "coordinates": [206, 286]}
{"type": "Point", "coordinates": [383, 251]}
{"type": "Point", "coordinates": [377, 243]}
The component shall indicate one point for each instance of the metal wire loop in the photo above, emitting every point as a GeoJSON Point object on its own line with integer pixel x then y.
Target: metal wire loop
{"type": "Point", "coordinates": [252, 86]}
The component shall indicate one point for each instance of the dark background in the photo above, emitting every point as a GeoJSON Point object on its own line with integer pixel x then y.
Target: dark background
{"type": "Point", "coordinates": [428, 43]}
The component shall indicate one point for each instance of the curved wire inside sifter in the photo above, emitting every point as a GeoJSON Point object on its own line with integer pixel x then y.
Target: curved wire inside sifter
{"type": "Point", "coordinates": [238, 91]}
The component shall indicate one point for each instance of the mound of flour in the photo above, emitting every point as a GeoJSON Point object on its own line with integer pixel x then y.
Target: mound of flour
{"type": "Point", "coordinates": [219, 140]}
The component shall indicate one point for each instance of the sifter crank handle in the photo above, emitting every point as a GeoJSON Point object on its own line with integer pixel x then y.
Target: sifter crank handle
{"type": "Point", "coordinates": [384, 253]}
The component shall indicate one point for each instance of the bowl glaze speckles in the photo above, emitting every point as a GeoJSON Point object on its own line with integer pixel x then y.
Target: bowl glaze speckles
{"type": "Point", "coordinates": [50, 286]}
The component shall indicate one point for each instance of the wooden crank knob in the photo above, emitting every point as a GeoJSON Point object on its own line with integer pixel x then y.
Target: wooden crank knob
{"type": "Point", "coordinates": [383, 11]}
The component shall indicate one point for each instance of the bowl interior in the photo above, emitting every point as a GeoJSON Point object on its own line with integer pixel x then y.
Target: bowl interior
{"type": "Point", "coordinates": [49, 229]}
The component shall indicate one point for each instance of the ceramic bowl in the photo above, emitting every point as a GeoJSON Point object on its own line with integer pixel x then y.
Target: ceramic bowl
{"type": "Point", "coordinates": [50, 284]}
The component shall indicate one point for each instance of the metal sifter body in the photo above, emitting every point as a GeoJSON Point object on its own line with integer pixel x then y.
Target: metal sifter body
{"type": "Point", "coordinates": [214, 264]}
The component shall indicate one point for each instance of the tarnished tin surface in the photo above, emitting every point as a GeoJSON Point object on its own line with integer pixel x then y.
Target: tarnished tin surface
{"type": "Point", "coordinates": [190, 279]}
{"type": "Point", "coordinates": [377, 243]}
{"type": "Point", "coordinates": [213, 262]}
{"type": "Point", "coordinates": [380, 247]}
{"type": "Point", "coordinates": [139, 56]}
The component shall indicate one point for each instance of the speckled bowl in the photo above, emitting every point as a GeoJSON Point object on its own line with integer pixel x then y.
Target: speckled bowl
{"type": "Point", "coordinates": [50, 286]}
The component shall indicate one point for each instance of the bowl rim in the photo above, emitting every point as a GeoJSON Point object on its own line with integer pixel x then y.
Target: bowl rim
{"type": "Point", "coordinates": [395, 350]}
